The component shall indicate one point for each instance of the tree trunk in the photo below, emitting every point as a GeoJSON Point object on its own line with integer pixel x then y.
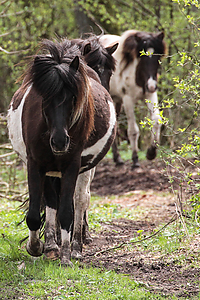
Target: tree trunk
{"type": "Point", "coordinates": [84, 23]}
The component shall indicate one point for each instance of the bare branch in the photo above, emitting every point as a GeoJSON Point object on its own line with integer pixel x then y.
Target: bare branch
{"type": "Point", "coordinates": [4, 34]}
{"type": "Point", "coordinates": [7, 154]}
{"type": "Point", "coordinates": [135, 242]}
{"type": "Point", "coordinates": [5, 9]}
{"type": "Point", "coordinates": [3, 2]}
{"type": "Point", "coordinates": [11, 52]}
{"type": "Point", "coordinates": [13, 14]}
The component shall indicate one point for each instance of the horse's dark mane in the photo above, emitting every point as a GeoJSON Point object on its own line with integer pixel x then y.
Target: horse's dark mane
{"type": "Point", "coordinates": [49, 71]}
{"type": "Point", "coordinates": [52, 75]}
{"type": "Point", "coordinates": [98, 55]}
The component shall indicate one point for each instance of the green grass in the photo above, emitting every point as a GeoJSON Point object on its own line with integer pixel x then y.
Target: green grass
{"type": "Point", "coordinates": [168, 242]}
{"type": "Point", "coordinates": [24, 277]}
{"type": "Point", "coordinates": [126, 152]}
{"type": "Point", "coordinates": [106, 212]}
{"type": "Point", "coordinates": [47, 280]}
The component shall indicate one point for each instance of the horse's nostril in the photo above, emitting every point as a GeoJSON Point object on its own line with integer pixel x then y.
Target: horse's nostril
{"type": "Point", "coordinates": [53, 144]}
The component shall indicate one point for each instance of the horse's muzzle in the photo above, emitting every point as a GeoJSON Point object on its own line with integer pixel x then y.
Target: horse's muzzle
{"type": "Point", "coordinates": [151, 85]}
{"type": "Point", "coordinates": [59, 146]}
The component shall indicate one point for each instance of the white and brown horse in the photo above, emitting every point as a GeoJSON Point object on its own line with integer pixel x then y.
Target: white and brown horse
{"type": "Point", "coordinates": [61, 123]}
{"type": "Point", "coordinates": [138, 57]}
{"type": "Point", "coordinates": [100, 59]}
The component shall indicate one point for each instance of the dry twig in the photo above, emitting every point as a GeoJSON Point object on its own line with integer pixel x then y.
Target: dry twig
{"type": "Point", "coordinates": [135, 242]}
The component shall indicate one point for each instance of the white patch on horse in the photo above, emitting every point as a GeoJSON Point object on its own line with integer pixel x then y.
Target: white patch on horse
{"type": "Point", "coordinates": [51, 216]}
{"type": "Point", "coordinates": [150, 52]}
{"type": "Point", "coordinates": [34, 235]}
{"type": "Point", "coordinates": [65, 236]}
{"type": "Point", "coordinates": [151, 85]}
{"type": "Point", "coordinates": [98, 147]}
{"type": "Point", "coordinates": [15, 127]}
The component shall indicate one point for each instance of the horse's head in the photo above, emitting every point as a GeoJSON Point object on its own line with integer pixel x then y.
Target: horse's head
{"type": "Point", "coordinates": [58, 110]}
{"type": "Point", "coordinates": [147, 48]}
{"type": "Point", "coordinates": [60, 78]}
{"type": "Point", "coordinates": [99, 58]}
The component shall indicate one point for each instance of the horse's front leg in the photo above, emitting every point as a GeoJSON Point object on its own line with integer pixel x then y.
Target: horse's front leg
{"type": "Point", "coordinates": [34, 246]}
{"type": "Point", "coordinates": [81, 203]}
{"type": "Point", "coordinates": [87, 239]}
{"type": "Point", "coordinates": [156, 119]}
{"type": "Point", "coordinates": [133, 130]}
{"type": "Point", "coordinates": [66, 210]}
{"type": "Point", "coordinates": [51, 195]}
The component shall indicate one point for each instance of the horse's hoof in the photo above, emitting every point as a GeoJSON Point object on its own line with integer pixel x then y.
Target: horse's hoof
{"type": "Point", "coordinates": [65, 262]}
{"type": "Point", "coordinates": [53, 254]}
{"type": "Point", "coordinates": [65, 255]}
{"type": "Point", "coordinates": [35, 249]}
{"type": "Point", "coordinates": [119, 162]}
{"type": "Point", "coordinates": [87, 240]}
{"type": "Point", "coordinates": [76, 247]}
{"type": "Point", "coordinates": [76, 255]}
{"type": "Point", "coordinates": [151, 152]}
{"type": "Point", "coordinates": [135, 166]}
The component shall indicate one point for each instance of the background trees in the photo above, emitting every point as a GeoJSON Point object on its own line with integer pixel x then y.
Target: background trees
{"type": "Point", "coordinates": [24, 23]}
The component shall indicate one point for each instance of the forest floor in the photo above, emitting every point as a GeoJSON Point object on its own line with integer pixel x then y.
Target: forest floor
{"type": "Point", "coordinates": [147, 188]}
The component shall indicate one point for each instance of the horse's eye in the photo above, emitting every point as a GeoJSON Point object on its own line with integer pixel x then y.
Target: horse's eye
{"type": "Point", "coordinates": [100, 69]}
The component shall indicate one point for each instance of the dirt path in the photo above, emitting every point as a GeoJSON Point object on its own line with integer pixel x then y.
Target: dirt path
{"type": "Point", "coordinates": [149, 188]}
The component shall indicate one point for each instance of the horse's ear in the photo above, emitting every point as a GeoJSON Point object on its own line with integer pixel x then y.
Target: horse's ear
{"type": "Point", "coordinates": [112, 48]}
{"type": "Point", "coordinates": [161, 35]}
{"type": "Point", "coordinates": [75, 63]}
{"type": "Point", "coordinates": [87, 49]}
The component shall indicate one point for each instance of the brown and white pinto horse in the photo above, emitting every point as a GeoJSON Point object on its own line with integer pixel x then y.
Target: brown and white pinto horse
{"type": "Point", "coordinates": [100, 59]}
{"type": "Point", "coordinates": [61, 122]}
{"type": "Point", "coordinates": [135, 78]}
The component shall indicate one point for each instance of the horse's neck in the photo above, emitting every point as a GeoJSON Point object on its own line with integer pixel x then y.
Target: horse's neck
{"type": "Point", "coordinates": [92, 74]}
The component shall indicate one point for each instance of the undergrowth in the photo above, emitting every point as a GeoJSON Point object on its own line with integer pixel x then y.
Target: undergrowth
{"type": "Point", "coordinates": [24, 277]}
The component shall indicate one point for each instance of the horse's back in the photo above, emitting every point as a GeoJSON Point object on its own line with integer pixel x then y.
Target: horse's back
{"type": "Point", "coordinates": [109, 40]}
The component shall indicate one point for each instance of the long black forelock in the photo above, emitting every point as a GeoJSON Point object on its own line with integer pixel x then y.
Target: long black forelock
{"type": "Point", "coordinates": [50, 70]}
{"type": "Point", "coordinates": [60, 50]}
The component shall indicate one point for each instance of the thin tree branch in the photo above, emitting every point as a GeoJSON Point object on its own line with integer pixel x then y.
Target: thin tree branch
{"type": "Point", "coordinates": [7, 154]}
{"type": "Point", "coordinates": [138, 241]}
{"type": "Point", "coordinates": [12, 52]}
